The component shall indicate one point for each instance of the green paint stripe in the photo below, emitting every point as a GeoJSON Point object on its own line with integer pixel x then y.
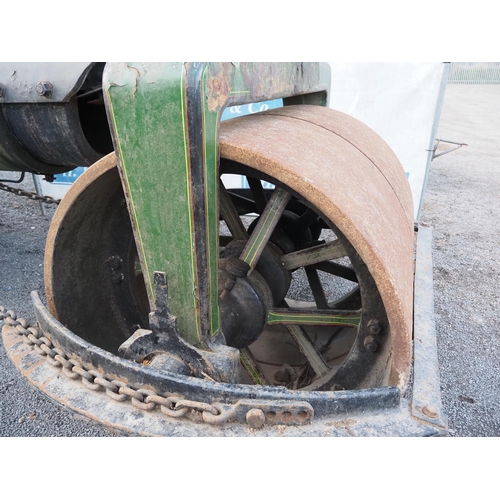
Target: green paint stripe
{"type": "Point", "coordinates": [230, 215]}
{"type": "Point", "coordinates": [248, 363]}
{"type": "Point", "coordinates": [265, 226]}
{"type": "Point", "coordinates": [315, 360]}
{"type": "Point", "coordinates": [312, 318]}
{"type": "Point", "coordinates": [328, 251]}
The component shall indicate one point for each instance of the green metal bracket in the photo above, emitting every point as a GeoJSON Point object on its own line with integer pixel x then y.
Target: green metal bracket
{"type": "Point", "coordinates": [165, 121]}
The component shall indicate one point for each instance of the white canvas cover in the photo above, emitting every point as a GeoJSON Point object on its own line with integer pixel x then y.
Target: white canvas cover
{"type": "Point", "coordinates": [401, 102]}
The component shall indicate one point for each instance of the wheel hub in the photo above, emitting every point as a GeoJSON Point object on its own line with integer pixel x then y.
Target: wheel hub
{"type": "Point", "coordinates": [244, 302]}
{"type": "Point", "coordinates": [270, 268]}
{"type": "Point", "coordinates": [245, 298]}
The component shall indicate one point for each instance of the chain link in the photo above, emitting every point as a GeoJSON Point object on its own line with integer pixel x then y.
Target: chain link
{"type": "Point", "coordinates": [28, 194]}
{"type": "Point", "coordinates": [169, 404]}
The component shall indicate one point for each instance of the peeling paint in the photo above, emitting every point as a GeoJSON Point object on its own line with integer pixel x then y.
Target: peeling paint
{"type": "Point", "coordinates": [136, 77]}
{"type": "Point", "coordinates": [218, 85]}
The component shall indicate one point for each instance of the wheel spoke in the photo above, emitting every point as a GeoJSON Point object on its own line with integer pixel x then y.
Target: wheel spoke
{"type": "Point", "coordinates": [327, 251]}
{"type": "Point", "coordinates": [316, 288]}
{"type": "Point", "coordinates": [308, 218]}
{"type": "Point", "coordinates": [258, 193]}
{"type": "Point", "coordinates": [319, 317]}
{"type": "Point", "coordinates": [307, 348]}
{"type": "Point", "coordinates": [337, 270]}
{"type": "Point", "coordinates": [252, 367]}
{"type": "Point", "coordinates": [265, 227]}
{"type": "Point", "coordinates": [243, 205]}
{"type": "Point", "coordinates": [230, 215]}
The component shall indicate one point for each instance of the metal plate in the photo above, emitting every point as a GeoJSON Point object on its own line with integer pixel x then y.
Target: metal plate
{"type": "Point", "coordinates": [18, 80]}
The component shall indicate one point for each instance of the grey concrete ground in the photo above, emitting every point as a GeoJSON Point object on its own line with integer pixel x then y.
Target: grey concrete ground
{"type": "Point", "coordinates": [461, 203]}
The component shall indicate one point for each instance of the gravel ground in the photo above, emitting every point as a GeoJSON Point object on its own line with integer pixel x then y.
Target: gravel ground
{"type": "Point", "coordinates": [462, 205]}
{"type": "Point", "coordinates": [25, 411]}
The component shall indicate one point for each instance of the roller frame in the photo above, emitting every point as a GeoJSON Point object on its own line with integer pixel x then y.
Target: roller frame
{"type": "Point", "coordinates": [188, 163]}
{"type": "Point", "coordinates": [179, 161]}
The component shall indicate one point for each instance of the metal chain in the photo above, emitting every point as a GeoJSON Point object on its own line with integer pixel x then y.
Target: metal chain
{"type": "Point", "coordinates": [28, 194]}
{"type": "Point", "coordinates": [170, 404]}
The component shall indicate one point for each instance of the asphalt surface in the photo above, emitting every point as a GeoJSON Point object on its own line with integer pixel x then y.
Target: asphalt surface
{"type": "Point", "coordinates": [461, 203]}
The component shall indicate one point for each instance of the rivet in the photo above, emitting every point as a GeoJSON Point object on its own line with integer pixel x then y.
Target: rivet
{"type": "Point", "coordinates": [430, 411]}
{"type": "Point", "coordinates": [255, 418]}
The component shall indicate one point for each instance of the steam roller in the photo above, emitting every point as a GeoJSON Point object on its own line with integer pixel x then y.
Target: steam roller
{"type": "Point", "coordinates": [179, 304]}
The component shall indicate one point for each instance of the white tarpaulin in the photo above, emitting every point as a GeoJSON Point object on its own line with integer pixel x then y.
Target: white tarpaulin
{"type": "Point", "coordinates": [401, 102]}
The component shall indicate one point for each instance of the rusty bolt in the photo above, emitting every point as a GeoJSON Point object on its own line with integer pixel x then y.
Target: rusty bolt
{"type": "Point", "coordinates": [255, 418]}
{"type": "Point", "coordinates": [370, 343]}
{"type": "Point", "coordinates": [374, 326]}
{"type": "Point", "coordinates": [430, 411]}
{"type": "Point", "coordinates": [44, 89]}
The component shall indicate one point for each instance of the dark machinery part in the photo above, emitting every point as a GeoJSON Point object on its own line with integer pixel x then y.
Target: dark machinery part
{"type": "Point", "coordinates": [52, 117]}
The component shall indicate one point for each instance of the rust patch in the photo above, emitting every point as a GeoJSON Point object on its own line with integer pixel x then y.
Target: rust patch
{"type": "Point", "coordinates": [267, 81]}
{"type": "Point", "coordinates": [218, 85]}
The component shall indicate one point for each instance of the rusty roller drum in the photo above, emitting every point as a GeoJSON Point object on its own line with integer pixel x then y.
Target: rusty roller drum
{"type": "Point", "coordinates": [351, 176]}
{"type": "Point", "coordinates": [342, 177]}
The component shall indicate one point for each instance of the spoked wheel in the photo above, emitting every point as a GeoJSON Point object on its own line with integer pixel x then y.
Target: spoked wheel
{"type": "Point", "coordinates": [315, 262]}
{"type": "Point", "coordinates": [309, 337]}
